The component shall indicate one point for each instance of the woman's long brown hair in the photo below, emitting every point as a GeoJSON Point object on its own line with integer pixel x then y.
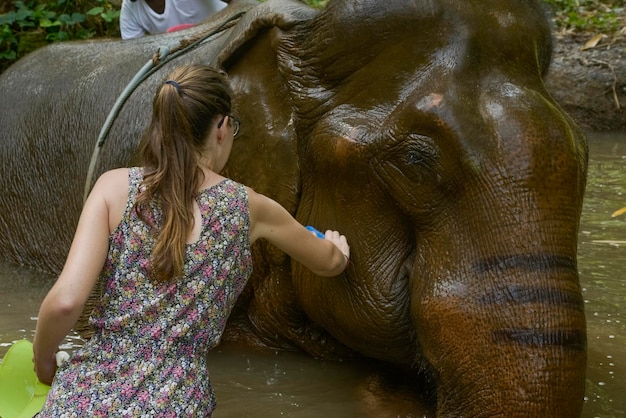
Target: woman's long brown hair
{"type": "Point", "coordinates": [185, 108]}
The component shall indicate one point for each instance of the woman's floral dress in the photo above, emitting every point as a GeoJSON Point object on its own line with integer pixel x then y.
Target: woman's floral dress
{"type": "Point", "coordinates": [148, 354]}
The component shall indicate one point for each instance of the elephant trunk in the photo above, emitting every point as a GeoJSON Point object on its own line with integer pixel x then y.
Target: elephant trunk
{"type": "Point", "coordinates": [502, 321]}
{"type": "Point", "coordinates": [513, 348]}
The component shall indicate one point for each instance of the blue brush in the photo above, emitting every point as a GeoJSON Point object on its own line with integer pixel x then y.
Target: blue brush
{"type": "Point", "coordinates": [316, 232]}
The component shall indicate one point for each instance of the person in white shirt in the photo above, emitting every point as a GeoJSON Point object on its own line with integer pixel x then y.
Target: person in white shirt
{"type": "Point", "coordinates": [143, 17]}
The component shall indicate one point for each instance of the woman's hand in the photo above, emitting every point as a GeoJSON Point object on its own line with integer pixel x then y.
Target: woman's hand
{"type": "Point", "coordinates": [45, 369]}
{"type": "Point", "coordinates": [341, 242]}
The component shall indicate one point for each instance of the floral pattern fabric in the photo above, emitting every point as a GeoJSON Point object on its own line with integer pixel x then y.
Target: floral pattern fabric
{"type": "Point", "coordinates": [148, 354]}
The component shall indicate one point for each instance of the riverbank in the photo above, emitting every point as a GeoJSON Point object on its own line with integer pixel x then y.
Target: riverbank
{"type": "Point", "coordinates": [589, 82]}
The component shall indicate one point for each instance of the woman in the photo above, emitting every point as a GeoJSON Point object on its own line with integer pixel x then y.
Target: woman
{"type": "Point", "coordinates": [170, 242]}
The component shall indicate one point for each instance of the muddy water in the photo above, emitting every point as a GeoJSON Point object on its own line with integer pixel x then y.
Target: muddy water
{"type": "Point", "coordinates": [602, 258]}
{"type": "Point", "coordinates": [273, 384]}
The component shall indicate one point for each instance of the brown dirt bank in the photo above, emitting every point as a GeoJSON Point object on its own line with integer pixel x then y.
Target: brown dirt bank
{"type": "Point", "coordinates": [590, 84]}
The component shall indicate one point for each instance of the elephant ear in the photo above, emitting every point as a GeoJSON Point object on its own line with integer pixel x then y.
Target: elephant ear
{"type": "Point", "coordinates": [264, 155]}
{"type": "Point", "coordinates": [280, 14]}
{"type": "Point", "coordinates": [342, 52]}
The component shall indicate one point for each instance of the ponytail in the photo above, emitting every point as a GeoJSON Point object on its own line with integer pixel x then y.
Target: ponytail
{"type": "Point", "coordinates": [185, 108]}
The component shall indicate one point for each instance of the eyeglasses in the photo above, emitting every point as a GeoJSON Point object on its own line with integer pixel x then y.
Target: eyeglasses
{"type": "Point", "coordinates": [236, 124]}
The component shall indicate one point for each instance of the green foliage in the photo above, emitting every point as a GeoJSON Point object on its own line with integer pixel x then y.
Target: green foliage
{"type": "Point", "coordinates": [30, 24]}
{"type": "Point", "coordinates": [316, 3]}
{"type": "Point", "coordinates": [589, 15]}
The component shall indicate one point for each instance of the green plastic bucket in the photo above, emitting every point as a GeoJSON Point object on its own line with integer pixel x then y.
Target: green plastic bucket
{"type": "Point", "coordinates": [22, 395]}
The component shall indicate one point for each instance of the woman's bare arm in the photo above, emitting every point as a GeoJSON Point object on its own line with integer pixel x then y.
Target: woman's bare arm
{"type": "Point", "coordinates": [65, 301]}
{"type": "Point", "coordinates": [269, 220]}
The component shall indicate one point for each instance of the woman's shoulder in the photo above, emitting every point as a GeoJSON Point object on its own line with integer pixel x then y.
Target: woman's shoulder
{"type": "Point", "coordinates": [116, 175]}
{"type": "Point", "coordinates": [113, 188]}
{"type": "Point", "coordinates": [261, 206]}
{"type": "Point", "coordinates": [113, 184]}
{"type": "Point", "coordinates": [111, 179]}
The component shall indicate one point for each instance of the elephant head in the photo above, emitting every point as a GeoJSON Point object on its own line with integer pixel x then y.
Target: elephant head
{"type": "Point", "coordinates": [421, 129]}
{"type": "Point", "coordinates": [425, 133]}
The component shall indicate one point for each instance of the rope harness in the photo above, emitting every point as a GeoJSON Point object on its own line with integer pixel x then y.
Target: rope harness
{"type": "Point", "coordinates": [160, 58]}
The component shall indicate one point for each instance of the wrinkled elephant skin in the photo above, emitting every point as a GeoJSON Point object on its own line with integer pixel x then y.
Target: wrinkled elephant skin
{"type": "Point", "coordinates": [420, 129]}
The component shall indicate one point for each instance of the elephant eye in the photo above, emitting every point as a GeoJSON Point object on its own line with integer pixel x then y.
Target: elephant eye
{"type": "Point", "coordinates": [419, 151]}
{"type": "Point", "coordinates": [410, 170]}
{"type": "Point", "coordinates": [413, 157]}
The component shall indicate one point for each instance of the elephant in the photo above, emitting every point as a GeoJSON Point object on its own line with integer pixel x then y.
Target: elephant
{"type": "Point", "coordinates": [421, 129]}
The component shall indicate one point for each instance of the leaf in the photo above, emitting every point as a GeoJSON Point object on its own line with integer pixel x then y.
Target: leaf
{"type": "Point", "coordinates": [619, 212]}
{"type": "Point", "coordinates": [83, 34]}
{"type": "Point", "coordinates": [8, 18]}
{"type": "Point", "coordinates": [47, 23]}
{"type": "Point", "coordinates": [592, 42]}
{"type": "Point", "coordinates": [73, 19]}
{"type": "Point", "coordinates": [9, 55]}
{"type": "Point", "coordinates": [110, 16]}
{"type": "Point", "coordinates": [23, 14]}
{"type": "Point", "coordinates": [95, 11]}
